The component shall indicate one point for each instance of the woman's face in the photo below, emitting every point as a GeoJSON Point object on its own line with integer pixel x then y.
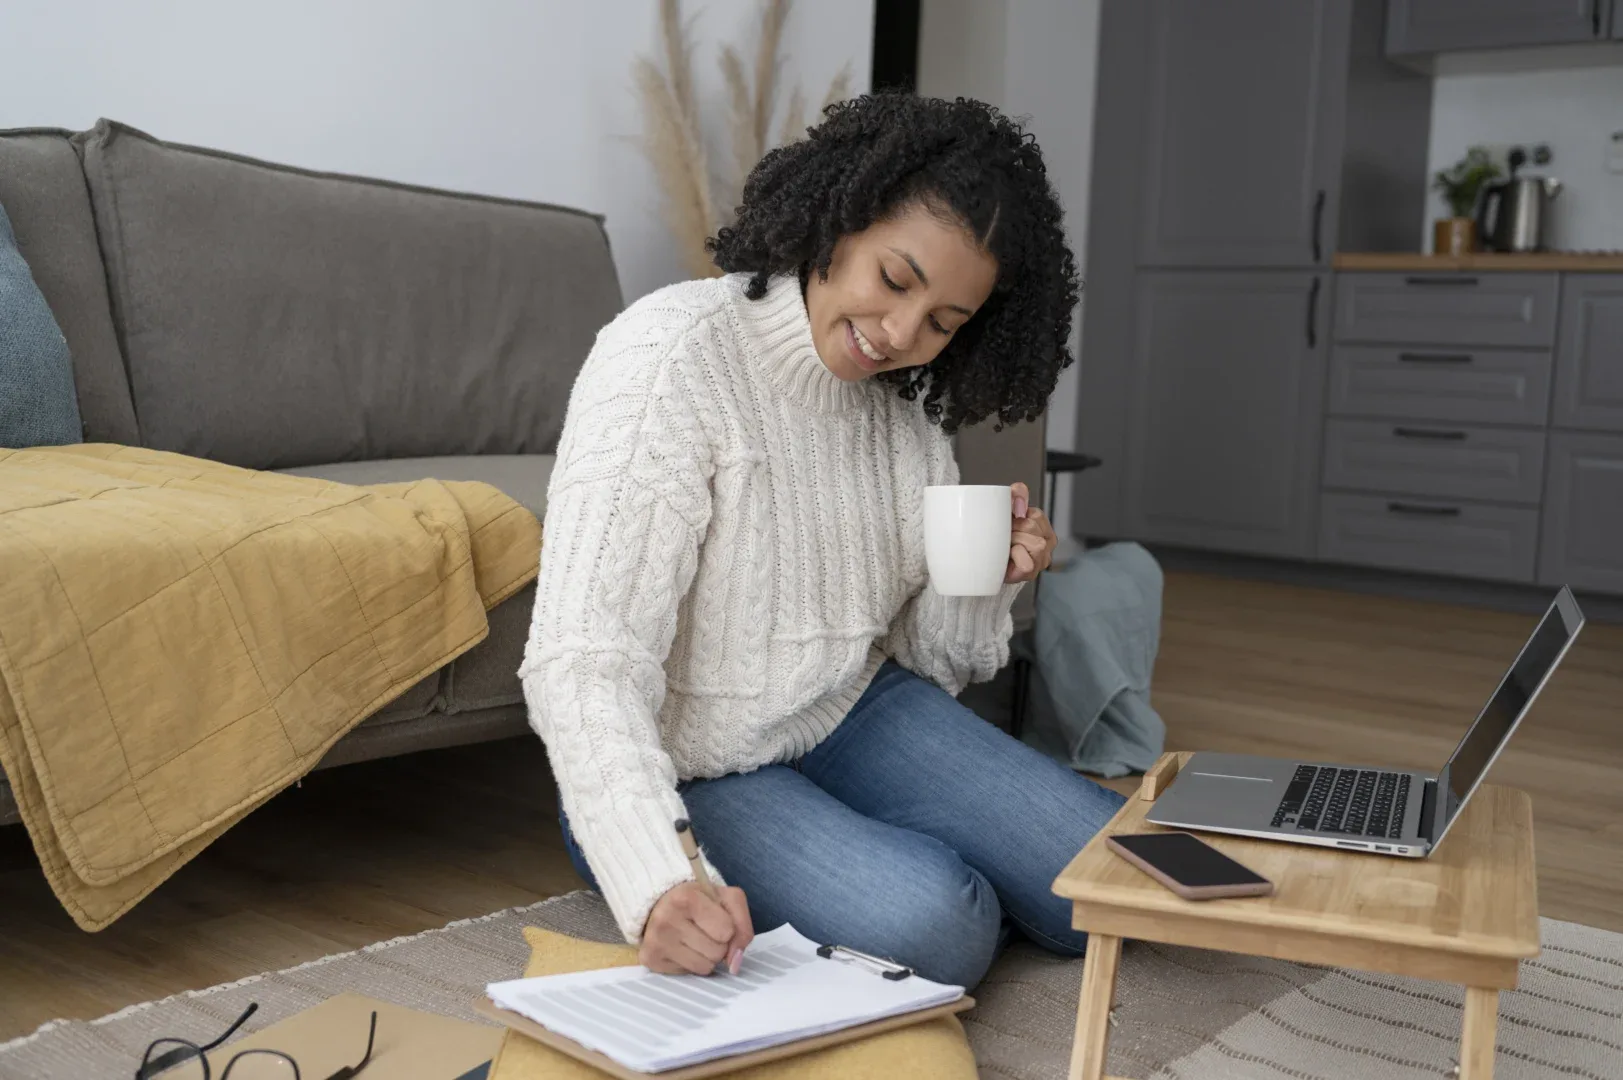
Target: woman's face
{"type": "Point", "coordinates": [896, 292]}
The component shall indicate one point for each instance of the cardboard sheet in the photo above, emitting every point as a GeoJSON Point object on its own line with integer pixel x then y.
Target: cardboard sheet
{"type": "Point", "coordinates": [411, 1045]}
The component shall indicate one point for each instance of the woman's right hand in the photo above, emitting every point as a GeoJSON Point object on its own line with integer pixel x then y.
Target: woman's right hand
{"type": "Point", "coordinates": [689, 932]}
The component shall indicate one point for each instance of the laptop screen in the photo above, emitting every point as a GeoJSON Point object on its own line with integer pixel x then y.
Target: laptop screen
{"type": "Point", "coordinates": [1476, 751]}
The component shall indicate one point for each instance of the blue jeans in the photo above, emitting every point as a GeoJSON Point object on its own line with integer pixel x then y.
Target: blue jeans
{"type": "Point", "coordinates": [916, 831]}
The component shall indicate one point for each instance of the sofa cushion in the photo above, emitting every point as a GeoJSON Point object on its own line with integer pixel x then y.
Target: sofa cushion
{"type": "Point", "coordinates": [43, 190]}
{"type": "Point", "coordinates": [276, 317]}
{"type": "Point", "coordinates": [37, 407]}
{"type": "Point", "coordinates": [486, 676]}
{"type": "Point", "coordinates": [521, 477]}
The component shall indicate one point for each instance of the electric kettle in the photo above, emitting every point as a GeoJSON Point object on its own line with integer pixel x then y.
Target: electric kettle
{"type": "Point", "coordinates": [1514, 215]}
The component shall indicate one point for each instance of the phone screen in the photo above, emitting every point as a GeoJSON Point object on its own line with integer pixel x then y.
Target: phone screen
{"type": "Point", "coordinates": [1187, 860]}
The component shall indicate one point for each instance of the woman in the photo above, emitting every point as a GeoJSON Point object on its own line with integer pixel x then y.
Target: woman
{"type": "Point", "coordinates": [733, 622]}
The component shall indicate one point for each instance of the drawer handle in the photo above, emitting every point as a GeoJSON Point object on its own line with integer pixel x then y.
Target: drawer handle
{"type": "Point", "coordinates": [1425, 511]}
{"type": "Point", "coordinates": [1441, 279]}
{"type": "Point", "coordinates": [1434, 358]}
{"type": "Point", "coordinates": [1428, 433]}
{"type": "Point", "coordinates": [1313, 315]}
{"type": "Point", "coordinates": [1318, 227]}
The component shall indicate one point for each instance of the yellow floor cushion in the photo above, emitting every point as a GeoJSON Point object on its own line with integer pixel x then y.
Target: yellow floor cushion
{"type": "Point", "coordinates": [935, 1049]}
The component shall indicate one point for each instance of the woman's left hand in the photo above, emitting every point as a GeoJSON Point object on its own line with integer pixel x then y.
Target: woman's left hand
{"type": "Point", "coordinates": [1032, 541]}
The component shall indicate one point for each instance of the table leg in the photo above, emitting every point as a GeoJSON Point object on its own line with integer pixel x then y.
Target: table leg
{"type": "Point", "coordinates": [1093, 1012]}
{"type": "Point", "coordinates": [1478, 1037]}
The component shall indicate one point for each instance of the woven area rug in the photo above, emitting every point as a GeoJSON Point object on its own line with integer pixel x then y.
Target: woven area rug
{"type": "Point", "coordinates": [1181, 1013]}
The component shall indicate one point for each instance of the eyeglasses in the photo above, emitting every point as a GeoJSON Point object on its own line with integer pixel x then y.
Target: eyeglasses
{"type": "Point", "coordinates": [181, 1059]}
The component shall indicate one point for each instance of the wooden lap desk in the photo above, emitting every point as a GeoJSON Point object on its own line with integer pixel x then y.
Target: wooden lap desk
{"type": "Point", "coordinates": [1468, 914]}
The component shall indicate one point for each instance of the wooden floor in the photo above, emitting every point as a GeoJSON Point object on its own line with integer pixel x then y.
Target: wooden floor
{"type": "Point", "coordinates": [372, 851]}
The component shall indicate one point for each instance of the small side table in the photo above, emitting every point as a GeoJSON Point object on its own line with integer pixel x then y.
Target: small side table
{"type": "Point", "coordinates": [1468, 914]}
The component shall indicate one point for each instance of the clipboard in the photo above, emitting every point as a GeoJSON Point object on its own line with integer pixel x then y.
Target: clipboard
{"type": "Point", "coordinates": [719, 1066]}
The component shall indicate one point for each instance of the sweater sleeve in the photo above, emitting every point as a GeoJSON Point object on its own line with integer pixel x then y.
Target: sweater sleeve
{"type": "Point", "coordinates": [951, 640]}
{"type": "Point", "coordinates": [627, 505]}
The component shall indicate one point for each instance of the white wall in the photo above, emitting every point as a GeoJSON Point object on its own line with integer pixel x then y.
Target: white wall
{"type": "Point", "coordinates": [1575, 111]}
{"type": "Point", "coordinates": [523, 98]}
{"type": "Point", "coordinates": [1034, 59]}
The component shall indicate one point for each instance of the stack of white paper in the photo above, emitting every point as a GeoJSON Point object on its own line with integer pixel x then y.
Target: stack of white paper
{"type": "Point", "coordinates": [784, 992]}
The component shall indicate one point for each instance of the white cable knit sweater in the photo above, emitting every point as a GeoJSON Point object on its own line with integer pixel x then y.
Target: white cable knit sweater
{"type": "Point", "coordinates": [733, 544]}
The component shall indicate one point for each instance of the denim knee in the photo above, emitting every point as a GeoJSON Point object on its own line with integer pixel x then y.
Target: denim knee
{"type": "Point", "coordinates": [945, 924]}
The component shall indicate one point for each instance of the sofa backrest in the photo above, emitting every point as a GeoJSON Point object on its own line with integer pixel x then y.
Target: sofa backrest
{"type": "Point", "coordinates": [273, 317]}
{"type": "Point", "coordinates": [43, 192]}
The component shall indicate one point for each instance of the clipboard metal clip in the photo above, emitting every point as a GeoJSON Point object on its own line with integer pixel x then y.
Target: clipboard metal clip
{"type": "Point", "coordinates": [886, 968]}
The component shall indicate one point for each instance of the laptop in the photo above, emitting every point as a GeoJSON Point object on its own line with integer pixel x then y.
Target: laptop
{"type": "Point", "coordinates": [1364, 807]}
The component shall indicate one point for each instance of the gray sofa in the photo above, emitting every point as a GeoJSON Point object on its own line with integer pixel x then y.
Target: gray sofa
{"type": "Point", "coordinates": [362, 331]}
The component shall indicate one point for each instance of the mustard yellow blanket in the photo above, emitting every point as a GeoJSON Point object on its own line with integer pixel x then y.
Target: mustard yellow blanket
{"type": "Point", "coordinates": [179, 640]}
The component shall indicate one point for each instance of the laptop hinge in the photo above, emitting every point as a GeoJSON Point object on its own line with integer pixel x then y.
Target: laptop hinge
{"type": "Point", "coordinates": [1428, 809]}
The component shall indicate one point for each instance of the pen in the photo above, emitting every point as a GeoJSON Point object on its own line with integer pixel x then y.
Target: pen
{"type": "Point", "coordinates": [690, 848]}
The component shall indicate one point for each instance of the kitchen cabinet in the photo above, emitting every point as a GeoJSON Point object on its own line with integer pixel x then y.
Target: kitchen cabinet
{"type": "Point", "coordinates": [1218, 127]}
{"type": "Point", "coordinates": [1487, 386]}
{"type": "Point", "coordinates": [1449, 461]}
{"type": "Point", "coordinates": [1417, 27]}
{"type": "Point", "coordinates": [1240, 132]}
{"type": "Point", "coordinates": [1589, 361]}
{"type": "Point", "coordinates": [1454, 310]}
{"type": "Point", "coordinates": [1225, 408]}
{"type": "Point", "coordinates": [1581, 541]}
{"type": "Point", "coordinates": [1481, 433]}
{"type": "Point", "coordinates": [1454, 539]}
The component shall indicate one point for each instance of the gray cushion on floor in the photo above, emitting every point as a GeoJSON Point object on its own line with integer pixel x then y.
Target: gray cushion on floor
{"type": "Point", "coordinates": [274, 317]}
{"type": "Point", "coordinates": [521, 477]}
{"type": "Point", "coordinates": [43, 190]}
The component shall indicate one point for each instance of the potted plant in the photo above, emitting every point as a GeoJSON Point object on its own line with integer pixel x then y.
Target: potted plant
{"type": "Point", "coordinates": [1460, 187]}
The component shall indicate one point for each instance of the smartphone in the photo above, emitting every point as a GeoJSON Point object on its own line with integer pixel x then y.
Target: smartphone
{"type": "Point", "coordinates": [1188, 865]}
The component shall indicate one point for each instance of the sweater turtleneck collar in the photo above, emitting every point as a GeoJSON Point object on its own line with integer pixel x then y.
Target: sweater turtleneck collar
{"type": "Point", "coordinates": [778, 330]}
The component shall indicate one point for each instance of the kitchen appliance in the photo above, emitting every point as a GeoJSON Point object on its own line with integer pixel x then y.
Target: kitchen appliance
{"type": "Point", "coordinates": [1514, 215]}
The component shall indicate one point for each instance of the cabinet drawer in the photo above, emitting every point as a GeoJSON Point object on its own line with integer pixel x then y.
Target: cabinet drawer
{"type": "Point", "coordinates": [1447, 462]}
{"type": "Point", "coordinates": [1482, 386]}
{"type": "Point", "coordinates": [1428, 535]}
{"type": "Point", "coordinates": [1447, 309]}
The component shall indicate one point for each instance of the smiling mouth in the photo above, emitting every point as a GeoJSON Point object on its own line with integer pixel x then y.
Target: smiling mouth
{"type": "Point", "coordinates": [862, 351]}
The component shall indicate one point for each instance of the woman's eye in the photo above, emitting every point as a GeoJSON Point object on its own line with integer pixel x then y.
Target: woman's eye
{"type": "Point", "coordinates": [938, 327]}
{"type": "Point", "coordinates": [889, 283]}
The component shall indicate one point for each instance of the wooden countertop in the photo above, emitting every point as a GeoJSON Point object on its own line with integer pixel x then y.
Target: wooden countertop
{"type": "Point", "coordinates": [1414, 262]}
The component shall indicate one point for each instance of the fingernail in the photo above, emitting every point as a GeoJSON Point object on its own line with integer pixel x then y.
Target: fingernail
{"type": "Point", "coordinates": [735, 962]}
{"type": "Point", "coordinates": [1019, 507]}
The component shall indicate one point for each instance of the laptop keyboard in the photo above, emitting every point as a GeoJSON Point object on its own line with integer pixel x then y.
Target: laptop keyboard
{"type": "Point", "coordinates": [1356, 802]}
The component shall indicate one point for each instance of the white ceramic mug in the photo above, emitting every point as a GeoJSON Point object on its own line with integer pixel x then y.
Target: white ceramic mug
{"type": "Point", "coordinates": [966, 537]}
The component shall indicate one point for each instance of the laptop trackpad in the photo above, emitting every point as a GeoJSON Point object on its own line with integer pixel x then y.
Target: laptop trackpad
{"type": "Point", "coordinates": [1229, 798]}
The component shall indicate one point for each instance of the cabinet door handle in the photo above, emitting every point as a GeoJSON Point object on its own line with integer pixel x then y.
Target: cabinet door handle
{"type": "Point", "coordinates": [1441, 279]}
{"type": "Point", "coordinates": [1434, 358]}
{"type": "Point", "coordinates": [1318, 224]}
{"type": "Point", "coordinates": [1594, 16]}
{"type": "Point", "coordinates": [1428, 433]}
{"type": "Point", "coordinates": [1424, 511]}
{"type": "Point", "coordinates": [1313, 315]}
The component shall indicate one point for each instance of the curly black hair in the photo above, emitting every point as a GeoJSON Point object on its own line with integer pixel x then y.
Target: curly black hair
{"type": "Point", "coordinates": [871, 157]}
